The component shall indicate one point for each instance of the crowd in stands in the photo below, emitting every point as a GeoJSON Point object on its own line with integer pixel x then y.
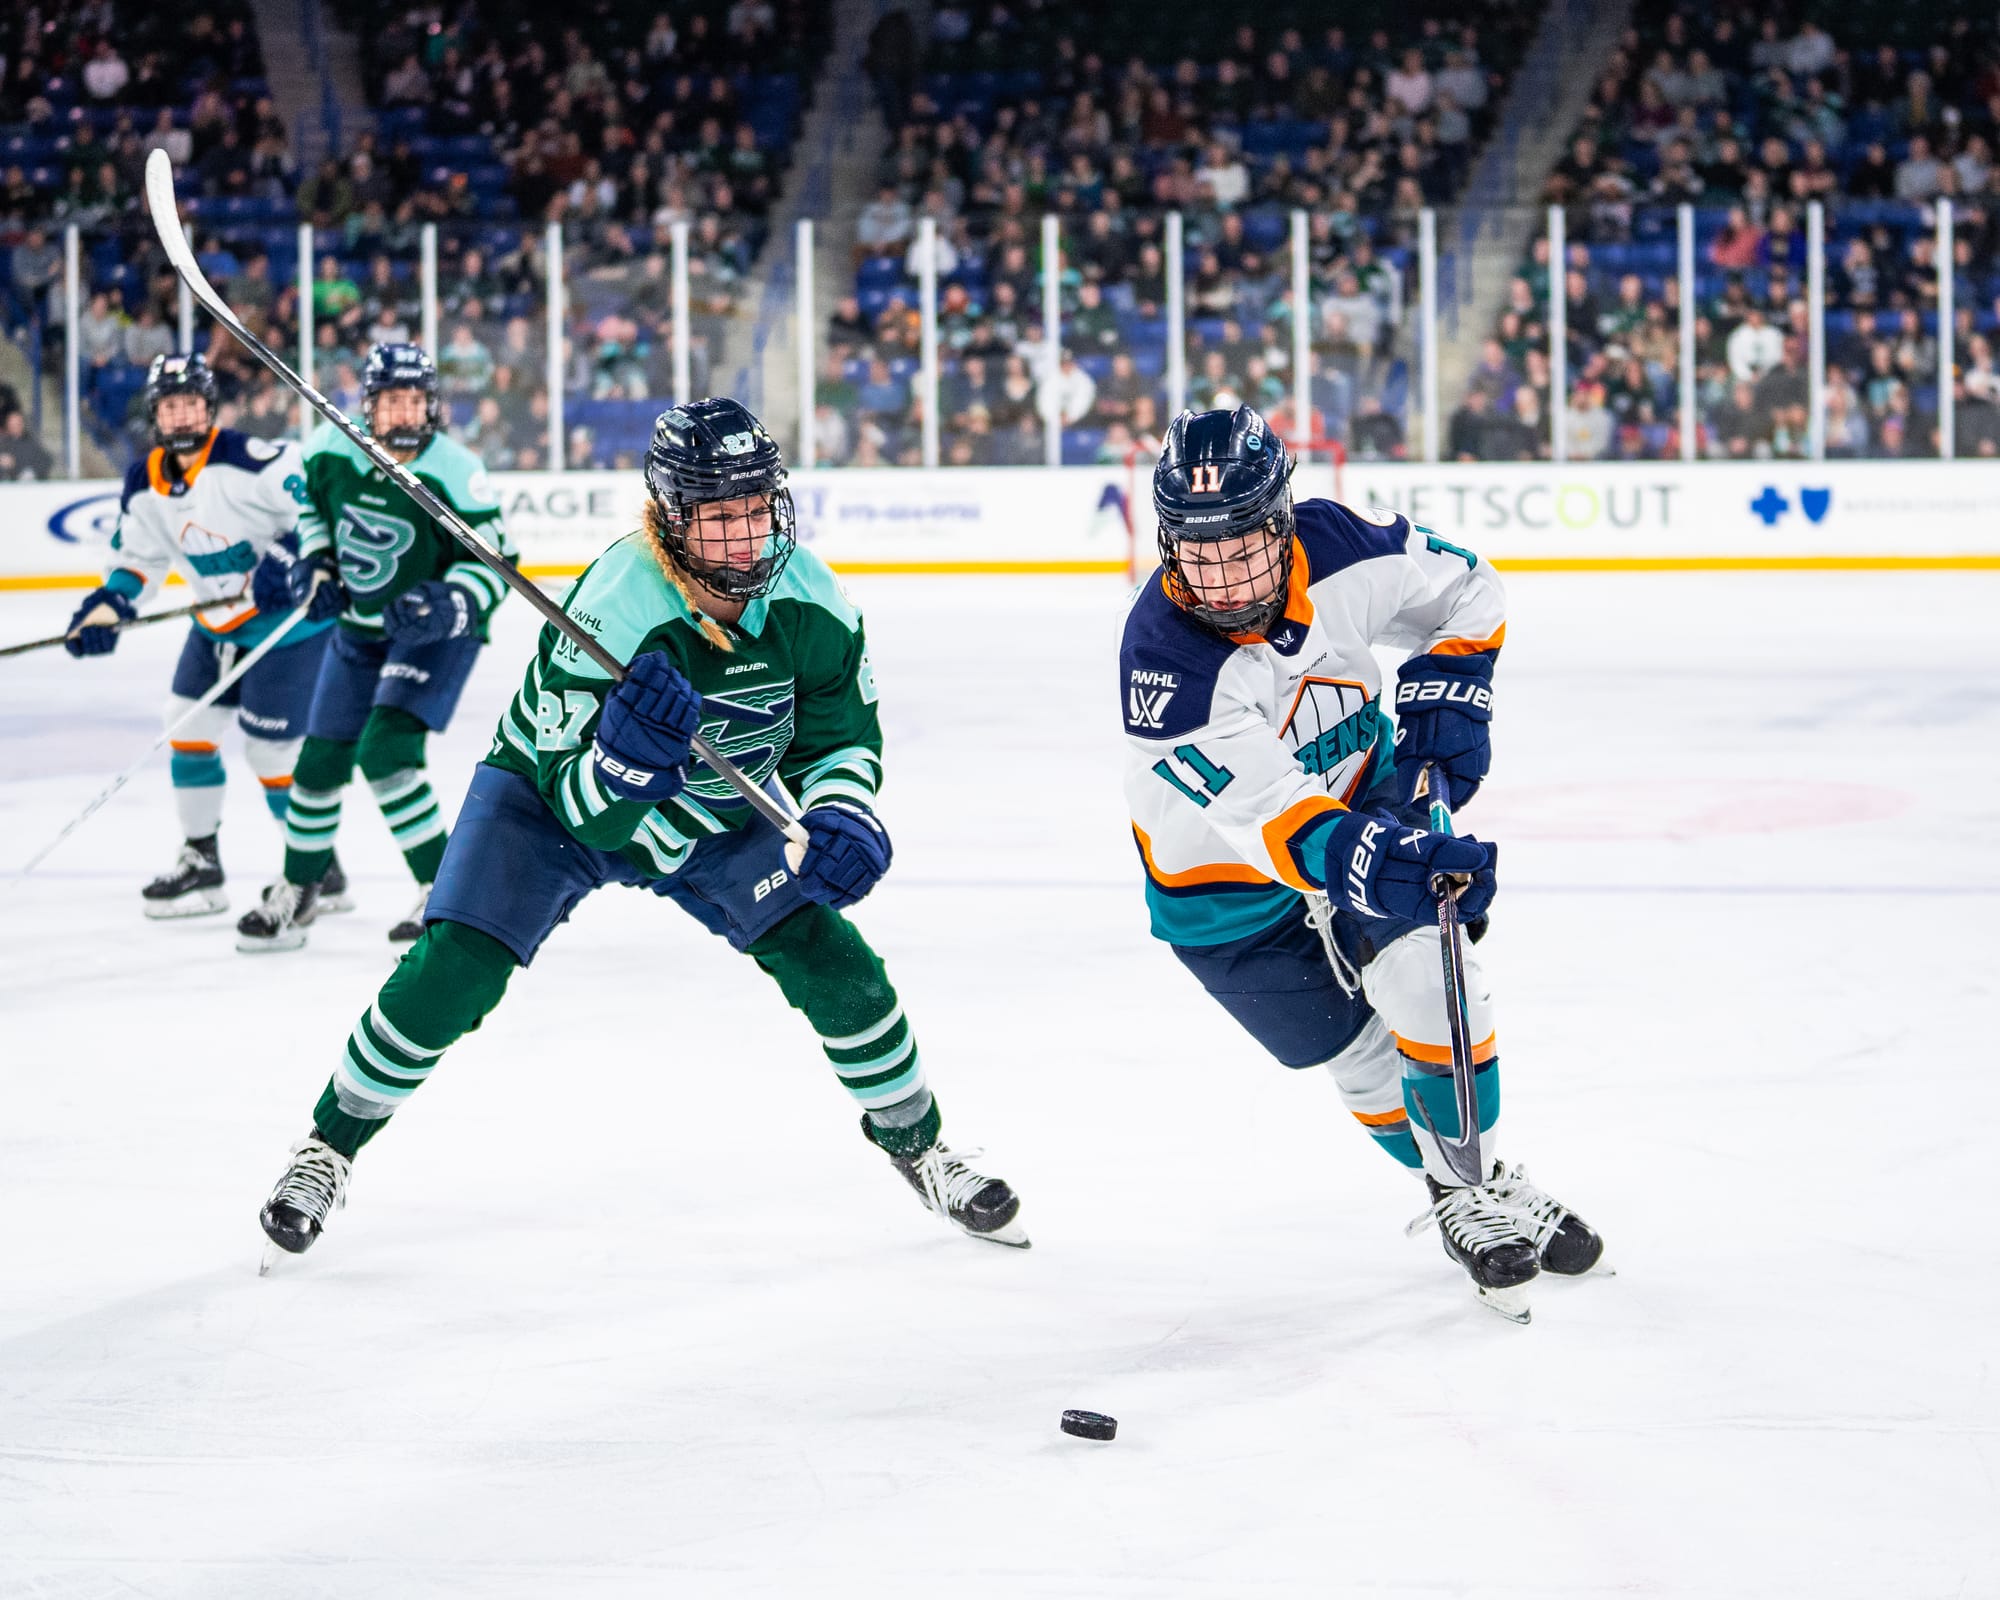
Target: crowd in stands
{"type": "Point", "coordinates": [491, 120]}
{"type": "Point", "coordinates": [1003, 113]}
{"type": "Point", "coordinates": [1749, 114]}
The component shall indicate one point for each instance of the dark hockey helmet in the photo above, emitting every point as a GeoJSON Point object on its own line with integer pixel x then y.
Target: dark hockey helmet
{"type": "Point", "coordinates": [172, 375]}
{"type": "Point", "coordinates": [716, 450]}
{"type": "Point", "coordinates": [1224, 476]}
{"type": "Point", "coordinates": [401, 366]}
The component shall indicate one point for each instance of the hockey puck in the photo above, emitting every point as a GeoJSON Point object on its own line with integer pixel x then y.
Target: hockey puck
{"type": "Point", "coordinates": [1089, 1425]}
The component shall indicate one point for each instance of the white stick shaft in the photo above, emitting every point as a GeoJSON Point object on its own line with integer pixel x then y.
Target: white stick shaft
{"type": "Point", "coordinates": [220, 687]}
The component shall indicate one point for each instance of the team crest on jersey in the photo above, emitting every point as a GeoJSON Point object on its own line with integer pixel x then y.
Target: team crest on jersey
{"type": "Point", "coordinates": [751, 725]}
{"type": "Point", "coordinates": [1332, 728]}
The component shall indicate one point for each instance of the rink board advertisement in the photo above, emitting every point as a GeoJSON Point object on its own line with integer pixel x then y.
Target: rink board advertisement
{"type": "Point", "coordinates": [1074, 520]}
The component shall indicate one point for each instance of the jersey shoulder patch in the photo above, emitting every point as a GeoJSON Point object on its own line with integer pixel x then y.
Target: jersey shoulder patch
{"type": "Point", "coordinates": [620, 599]}
{"type": "Point", "coordinates": [136, 484]}
{"type": "Point", "coordinates": [1167, 666]}
{"type": "Point", "coordinates": [1336, 537]}
{"type": "Point", "coordinates": [243, 451]}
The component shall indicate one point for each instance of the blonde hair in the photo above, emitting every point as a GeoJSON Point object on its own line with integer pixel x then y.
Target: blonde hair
{"type": "Point", "coordinates": [656, 527]}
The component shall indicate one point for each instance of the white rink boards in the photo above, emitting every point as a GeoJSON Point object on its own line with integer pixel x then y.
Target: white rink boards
{"type": "Point", "coordinates": [622, 1304]}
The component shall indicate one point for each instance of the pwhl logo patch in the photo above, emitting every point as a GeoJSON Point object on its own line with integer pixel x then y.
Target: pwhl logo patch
{"type": "Point", "coordinates": [1147, 697]}
{"type": "Point", "coordinates": [1770, 506]}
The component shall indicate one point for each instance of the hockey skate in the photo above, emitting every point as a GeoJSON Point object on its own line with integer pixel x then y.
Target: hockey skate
{"type": "Point", "coordinates": [975, 1204]}
{"type": "Point", "coordinates": [1489, 1238]}
{"type": "Point", "coordinates": [193, 888]}
{"type": "Point", "coordinates": [1568, 1246]}
{"type": "Point", "coordinates": [280, 919]}
{"type": "Point", "coordinates": [333, 895]}
{"type": "Point", "coordinates": [313, 1185]}
{"type": "Point", "coordinates": [411, 928]}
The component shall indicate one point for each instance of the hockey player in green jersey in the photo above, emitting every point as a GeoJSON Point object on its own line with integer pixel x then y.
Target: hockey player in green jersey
{"type": "Point", "coordinates": [728, 631]}
{"type": "Point", "coordinates": [417, 610]}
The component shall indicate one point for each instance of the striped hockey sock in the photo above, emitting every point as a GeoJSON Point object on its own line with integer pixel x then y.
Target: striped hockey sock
{"type": "Point", "coordinates": [882, 1068]}
{"type": "Point", "coordinates": [312, 819]}
{"type": "Point", "coordinates": [410, 808]}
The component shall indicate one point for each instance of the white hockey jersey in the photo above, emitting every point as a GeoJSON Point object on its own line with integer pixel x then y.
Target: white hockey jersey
{"type": "Point", "coordinates": [1237, 748]}
{"type": "Point", "coordinates": [239, 495]}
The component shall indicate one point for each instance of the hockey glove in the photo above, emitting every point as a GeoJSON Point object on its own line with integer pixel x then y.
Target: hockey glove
{"type": "Point", "coordinates": [98, 638]}
{"type": "Point", "coordinates": [283, 581]}
{"type": "Point", "coordinates": [429, 613]}
{"type": "Point", "coordinates": [1377, 867]}
{"type": "Point", "coordinates": [1444, 713]}
{"type": "Point", "coordinates": [642, 737]}
{"type": "Point", "coordinates": [848, 853]}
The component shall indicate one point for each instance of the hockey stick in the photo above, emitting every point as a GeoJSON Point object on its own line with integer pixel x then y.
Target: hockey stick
{"type": "Point", "coordinates": [1462, 1154]}
{"type": "Point", "coordinates": [167, 221]}
{"type": "Point", "coordinates": [215, 692]}
{"type": "Point", "coordinates": [120, 627]}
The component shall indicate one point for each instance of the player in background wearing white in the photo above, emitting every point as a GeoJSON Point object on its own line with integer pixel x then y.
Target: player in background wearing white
{"type": "Point", "coordinates": [213, 505]}
{"type": "Point", "coordinates": [1287, 862]}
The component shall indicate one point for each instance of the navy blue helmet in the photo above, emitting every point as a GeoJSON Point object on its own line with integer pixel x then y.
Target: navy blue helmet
{"type": "Point", "coordinates": [401, 366]}
{"type": "Point", "coordinates": [1221, 476]}
{"type": "Point", "coordinates": [171, 375]}
{"type": "Point", "coordinates": [716, 450]}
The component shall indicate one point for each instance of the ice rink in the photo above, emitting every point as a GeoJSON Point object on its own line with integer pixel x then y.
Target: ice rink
{"type": "Point", "coordinates": [623, 1304]}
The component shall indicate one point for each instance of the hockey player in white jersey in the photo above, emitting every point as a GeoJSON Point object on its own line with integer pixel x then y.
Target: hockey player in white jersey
{"type": "Point", "coordinates": [211, 504]}
{"type": "Point", "coordinates": [1272, 805]}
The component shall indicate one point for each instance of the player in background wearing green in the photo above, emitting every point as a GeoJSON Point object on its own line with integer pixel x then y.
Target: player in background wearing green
{"type": "Point", "coordinates": [729, 631]}
{"type": "Point", "coordinates": [417, 612]}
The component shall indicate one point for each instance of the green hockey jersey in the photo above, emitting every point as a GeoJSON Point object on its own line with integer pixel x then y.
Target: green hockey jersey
{"type": "Point", "coordinates": [386, 542]}
{"type": "Point", "coordinates": [793, 702]}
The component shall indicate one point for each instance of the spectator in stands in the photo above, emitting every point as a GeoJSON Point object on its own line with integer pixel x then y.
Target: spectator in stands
{"type": "Point", "coordinates": [36, 269]}
{"type": "Point", "coordinates": [100, 332]}
{"type": "Point", "coordinates": [1466, 438]}
{"type": "Point", "coordinates": [327, 196]}
{"type": "Point", "coordinates": [23, 457]}
{"type": "Point", "coordinates": [1755, 347]}
{"type": "Point", "coordinates": [1374, 435]}
{"type": "Point", "coordinates": [884, 226]}
{"type": "Point", "coordinates": [465, 366]}
{"type": "Point", "coordinates": [105, 74]}
{"type": "Point", "coordinates": [1074, 393]}
{"type": "Point", "coordinates": [146, 336]}
{"type": "Point", "coordinates": [1919, 175]}
{"type": "Point", "coordinates": [1587, 424]}
{"type": "Point", "coordinates": [1518, 434]}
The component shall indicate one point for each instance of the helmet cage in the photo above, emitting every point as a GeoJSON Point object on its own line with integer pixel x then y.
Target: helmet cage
{"type": "Point", "coordinates": [709, 451]}
{"type": "Point", "coordinates": [1224, 476]}
{"type": "Point", "coordinates": [168, 376]}
{"type": "Point", "coordinates": [401, 366]}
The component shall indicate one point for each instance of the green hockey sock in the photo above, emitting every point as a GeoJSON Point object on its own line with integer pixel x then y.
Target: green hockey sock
{"type": "Point", "coordinates": [439, 992]}
{"type": "Point", "coordinates": [312, 818]}
{"type": "Point", "coordinates": [827, 970]}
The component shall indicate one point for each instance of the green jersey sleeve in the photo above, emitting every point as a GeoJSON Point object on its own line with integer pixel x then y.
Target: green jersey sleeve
{"type": "Point", "coordinates": [836, 749]}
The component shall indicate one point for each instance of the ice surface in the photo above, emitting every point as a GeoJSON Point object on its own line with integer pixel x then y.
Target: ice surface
{"type": "Point", "coordinates": [623, 1305]}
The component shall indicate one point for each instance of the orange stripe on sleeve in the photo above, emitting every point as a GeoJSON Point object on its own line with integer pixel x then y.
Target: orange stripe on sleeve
{"type": "Point", "coordinates": [1283, 828]}
{"type": "Point", "coordinates": [1470, 647]}
{"type": "Point", "coordinates": [1208, 872]}
{"type": "Point", "coordinates": [1439, 1055]}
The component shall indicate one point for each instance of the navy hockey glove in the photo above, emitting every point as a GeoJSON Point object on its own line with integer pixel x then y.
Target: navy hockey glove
{"type": "Point", "coordinates": [848, 853]}
{"type": "Point", "coordinates": [642, 737]}
{"type": "Point", "coordinates": [1444, 713]}
{"type": "Point", "coordinates": [1379, 867]}
{"type": "Point", "coordinates": [429, 613]}
{"type": "Point", "coordinates": [98, 638]}
{"type": "Point", "coordinates": [283, 581]}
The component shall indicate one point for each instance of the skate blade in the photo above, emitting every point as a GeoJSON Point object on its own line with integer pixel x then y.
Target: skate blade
{"type": "Point", "coordinates": [296, 940]}
{"type": "Point", "coordinates": [268, 1260]}
{"type": "Point", "coordinates": [335, 903]}
{"type": "Point", "coordinates": [1510, 1303]}
{"type": "Point", "coordinates": [198, 903]}
{"type": "Point", "coordinates": [1013, 1236]}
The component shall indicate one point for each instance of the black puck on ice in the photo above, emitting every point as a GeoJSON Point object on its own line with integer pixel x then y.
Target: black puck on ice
{"type": "Point", "coordinates": [1089, 1425]}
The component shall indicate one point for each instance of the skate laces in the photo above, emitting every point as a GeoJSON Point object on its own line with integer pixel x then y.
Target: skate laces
{"type": "Point", "coordinates": [948, 1182]}
{"type": "Point", "coordinates": [1547, 1214]}
{"type": "Point", "coordinates": [1319, 917]}
{"type": "Point", "coordinates": [190, 860]}
{"type": "Point", "coordinates": [316, 1181]}
{"type": "Point", "coordinates": [1473, 1215]}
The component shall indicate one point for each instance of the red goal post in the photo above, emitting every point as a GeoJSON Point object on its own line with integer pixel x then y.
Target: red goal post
{"type": "Point", "coordinates": [1316, 451]}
